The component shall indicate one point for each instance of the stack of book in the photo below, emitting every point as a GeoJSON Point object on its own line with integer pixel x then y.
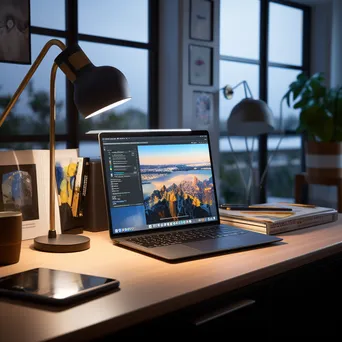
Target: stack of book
{"type": "Point", "coordinates": [80, 186]}
{"type": "Point", "coordinates": [274, 222]}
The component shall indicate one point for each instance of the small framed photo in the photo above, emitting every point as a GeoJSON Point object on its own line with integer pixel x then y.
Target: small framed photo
{"type": "Point", "coordinates": [15, 42]}
{"type": "Point", "coordinates": [202, 108]}
{"type": "Point", "coordinates": [201, 19]}
{"type": "Point", "coordinates": [200, 68]}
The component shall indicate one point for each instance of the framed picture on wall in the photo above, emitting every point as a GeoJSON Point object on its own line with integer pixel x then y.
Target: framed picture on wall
{"type": "Point", "coordinates": [200, 68]}
{"type": "Point", "coordinates": [202, 109]}
{"type": "Point", "coordinates": [201, 19]}
{"type": "Point", "coordinates": [15, 42]}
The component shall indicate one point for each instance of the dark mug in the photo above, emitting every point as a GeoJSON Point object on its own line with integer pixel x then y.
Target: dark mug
{"type": "Point", "coordinates": [10, 237]}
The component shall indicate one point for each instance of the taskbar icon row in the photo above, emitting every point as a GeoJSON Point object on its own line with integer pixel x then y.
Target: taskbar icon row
{"type": "Point", "coordinates": [181, 222]}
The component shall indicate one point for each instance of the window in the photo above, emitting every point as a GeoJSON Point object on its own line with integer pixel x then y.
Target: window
{"type": "Point", "coordinates": [42, 14]}
{"type": "Point", "coordinates": [127, 20]}
{"type": "Point", "coordinates": [31, 113]}
{"type": "Point", "coordinates": [238, 39]}
{"type": "Point", "coordinates": [108, 37]}
{"type": "Point", "coordinates": [243, 57]}
{"type": "Point", "coordinates": [285, 34]}
{"type": "Point", "coordinates": [287, 45]}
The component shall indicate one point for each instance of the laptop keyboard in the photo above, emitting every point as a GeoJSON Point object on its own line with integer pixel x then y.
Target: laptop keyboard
{"type": "Point", "coordinates": [190, 235]}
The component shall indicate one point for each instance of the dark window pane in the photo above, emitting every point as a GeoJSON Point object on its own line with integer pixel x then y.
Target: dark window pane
{"type": "Point", "coordinates": [239, 28]}
{"type": "Point", "coordinates": [114, 19]}
{"type": "Point", "coordinates": [279, 80]}
{"type": "Point", "coordinates": [48, 14]}
{"type": "Point", "coordinates": [285, 34]}
{"type": "Point", "coordinates": [89, 149]}
{"type": "Point", "coordinates": [31, 115]}
{"type": "Point", "coordinates": [134, 65]}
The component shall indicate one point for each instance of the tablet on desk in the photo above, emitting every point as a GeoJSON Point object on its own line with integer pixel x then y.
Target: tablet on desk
{"type": "Point", "coordinates": [56, 287]}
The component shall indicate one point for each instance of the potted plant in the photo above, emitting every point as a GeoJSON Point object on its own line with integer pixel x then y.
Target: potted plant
{"type": "Point", "coordinates": [320, 120]}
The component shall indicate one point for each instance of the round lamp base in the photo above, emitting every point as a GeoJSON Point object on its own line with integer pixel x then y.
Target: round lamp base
{"type": "Point", "coordinates": [63, 243]}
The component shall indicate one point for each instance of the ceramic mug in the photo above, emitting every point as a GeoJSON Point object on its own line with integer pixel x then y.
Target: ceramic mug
{"type": "Point", "coordinates": [10, 237]}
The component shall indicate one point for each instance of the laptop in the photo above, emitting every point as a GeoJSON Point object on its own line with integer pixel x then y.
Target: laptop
{"type": "Point", "coordinates": [161, 196]}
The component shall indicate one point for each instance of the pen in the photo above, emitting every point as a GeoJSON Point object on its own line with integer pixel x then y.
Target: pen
{"type": "Point", "coordinates": [251, 208]}
{"type": "Point", "coordinates": [300, 205]}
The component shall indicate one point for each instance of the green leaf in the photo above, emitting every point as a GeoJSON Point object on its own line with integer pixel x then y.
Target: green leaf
{"type": "Point", "coordinates": [337, 133]}
{"type": "Point", "coordinates": [293, 85]}
{"type": "Point", "coordinates": [296, 92]}
{"type": "Point", "coordinates": [313, 113]}
{"type": "Point", "coordinates": [301, 104]}
{"type": "Point", "coordinates": [317, 121]}
{"type": "Point", "coordinates": [318, 90]}
{"type": "Point", "coordinates": [321, 113]}
{"type": "Point", "coordinates": [327, 131]}
{"type": "Point", "coordinates": [319, 76]}
{"type": "Point", "coordinates": [287, 96]}
{"type": "Point", "coordinates": [302, 78]}
{"type": "Point", "coordinates": [301, 128]}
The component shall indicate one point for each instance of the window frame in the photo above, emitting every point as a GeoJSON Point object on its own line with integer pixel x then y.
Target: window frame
{"type": "Point", "coordinates": [72, 137]}
{"type": "Point", "coordinates": [264, 64]}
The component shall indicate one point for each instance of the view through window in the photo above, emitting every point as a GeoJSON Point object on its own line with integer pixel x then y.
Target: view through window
{"type": "Point", "coordinates": [240, 44]}
{"type": "Point", "coordinates": [108, 37]}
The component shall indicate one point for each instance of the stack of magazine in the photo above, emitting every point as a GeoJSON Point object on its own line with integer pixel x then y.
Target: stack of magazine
{"type": "Point", "coordinates": [277, 222]}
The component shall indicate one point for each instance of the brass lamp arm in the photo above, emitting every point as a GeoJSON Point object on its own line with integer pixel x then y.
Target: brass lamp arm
{"type": "Point", "coordinates": [23, 84]}
{"type": "Point", "coordinates": [29, 75]}
{"type": "Point", "coordinates": [52, 230]}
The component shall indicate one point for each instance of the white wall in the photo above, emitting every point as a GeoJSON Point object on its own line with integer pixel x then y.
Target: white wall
{"type": "Point", "coordinates": [176, 94]}
{"type": "Point", "coordinates": [336, 46]}
{"type": "Point", "coordinates": [169, 65]}
{"type": "Point", "coordinates": [326, 56]}
{"type": "Point", "coordinates": [326, 49]}
{"type": "Point", "coordinates": [321, 39]}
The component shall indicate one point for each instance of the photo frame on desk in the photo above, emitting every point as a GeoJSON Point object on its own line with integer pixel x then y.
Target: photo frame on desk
{"type": "Point", "coordinates": [15, 43]}
{"type": "Point", "coordinates": [200, 65]}
{"type": "Point", "coordinates": [24, 187]}
{"type": "Point", "coordinates": [201, 20]}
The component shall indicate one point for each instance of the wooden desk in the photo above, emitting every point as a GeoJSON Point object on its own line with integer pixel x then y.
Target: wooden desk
{"type": "Point", "coordinates": [150, 287]}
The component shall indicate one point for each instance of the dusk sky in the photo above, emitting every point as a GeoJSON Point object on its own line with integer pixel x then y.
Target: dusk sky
{"type": "Point", "coordinates": [129, 20]}
{"type": "Point", "coordinates": [113, 18]}
{"type": "Point", "coordinates": [173, 154]}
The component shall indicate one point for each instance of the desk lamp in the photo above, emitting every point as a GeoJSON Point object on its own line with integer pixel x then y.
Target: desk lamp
{"type": "Point", "coordinates": [250, 117]}
{"type": "Point", "coordinates": [96, 89]}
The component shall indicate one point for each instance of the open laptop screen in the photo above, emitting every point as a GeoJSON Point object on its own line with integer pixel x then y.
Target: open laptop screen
{"type": "Point", "coordinates": [158, 180]}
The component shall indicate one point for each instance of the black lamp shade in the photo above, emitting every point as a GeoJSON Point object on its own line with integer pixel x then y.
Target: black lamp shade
{"type": "Point", "coordinates": [96, 89]}
{"type": "Point", "coordinates": [99, 88]}
{"type": "Point", "coordinates": [250, 117]}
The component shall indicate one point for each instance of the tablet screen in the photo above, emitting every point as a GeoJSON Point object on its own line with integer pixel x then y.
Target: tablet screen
{"type": "Point", "coordinates": [53, 286]}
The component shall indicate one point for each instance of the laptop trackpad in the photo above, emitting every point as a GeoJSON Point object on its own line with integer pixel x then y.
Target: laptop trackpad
{"type": "Point", "coordinates": [217, 244]}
